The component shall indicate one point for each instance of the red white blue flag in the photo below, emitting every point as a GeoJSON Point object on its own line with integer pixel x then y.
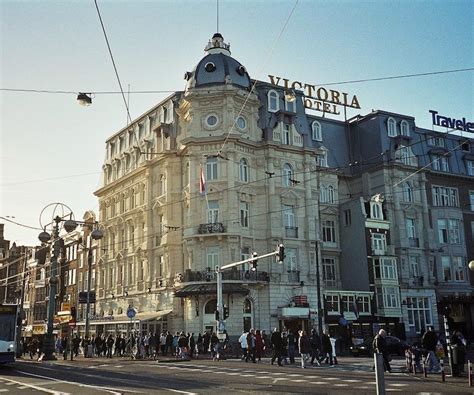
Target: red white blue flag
{"type": "Point", "coordinates": [202, 183]}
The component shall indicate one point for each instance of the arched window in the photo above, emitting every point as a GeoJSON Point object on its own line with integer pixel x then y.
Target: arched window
{"type": "Point", "coordinates": [273, 101]}
{"type": "Point", "coordinates": [243, 170]}
{"type": "Point", "coordinates": [287, 175]}
{"type": "Point", "coordinates": [376, 210]}
{"type": "Point", "coordinates": [290, 105]}
{"type": "Point", "coordinates": [247, 315]}
{"type": "Point", "coordinates": [391, 127]}
{"type": "Point", "coordinates": [316, 131]}
{"type": "Point", "coordinates": [404, 129]}
{"type": "Point", "coordinates": [210, 307]}
{"type": "Point", "coordinates": [322, 157]}
{"type": "Point", "coordinates": [407, 192]}
{"type": "Point", "coordinates": [327, 194]}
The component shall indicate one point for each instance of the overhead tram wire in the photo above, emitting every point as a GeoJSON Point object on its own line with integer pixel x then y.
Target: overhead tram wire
{"type": "Point", "coordinates": [219, 152]}
{"type": "Point", "coordinates": [117, 75]}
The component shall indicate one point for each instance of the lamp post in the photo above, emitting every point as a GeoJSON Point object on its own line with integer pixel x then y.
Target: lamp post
{"type": "Point", "coordinates": [69, 225]}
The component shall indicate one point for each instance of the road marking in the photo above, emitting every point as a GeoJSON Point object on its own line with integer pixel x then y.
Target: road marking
{"type": "Point", "coordinates": [106, 389]}
{"type": "Point", "coordinates": [341, 385]}
{"type": "Point", "coordinates": [294, 375]}
{"type": "Point", "coordinates": [399, 384]}
{"type": "Point", "coordinates": [35, 387]}
{"type": "Point", "coordinates": [351, 381]}
{"type": "Point", "coordinates": [4, 390]}
{"type": "Point", "coordinates": [318, 382]}
{"type": "Point", "coordinates": [300, 381]}
{"type": "Point", "coordinates": [9, 383]}
{"type": "Point", "coordinates": [179, 392]}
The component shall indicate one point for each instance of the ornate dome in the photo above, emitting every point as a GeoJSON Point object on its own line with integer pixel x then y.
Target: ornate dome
{"type": "Point", "coordinates": [218, 67]}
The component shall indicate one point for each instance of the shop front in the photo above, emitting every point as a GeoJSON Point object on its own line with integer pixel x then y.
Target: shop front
{"type": "Point", "coordinates": [145, 322]}
{"type": "Point", "coordinates": [293, 319]}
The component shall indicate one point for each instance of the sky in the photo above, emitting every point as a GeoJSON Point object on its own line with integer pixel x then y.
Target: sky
{"type": "Point", "coordinates": [52, 149]}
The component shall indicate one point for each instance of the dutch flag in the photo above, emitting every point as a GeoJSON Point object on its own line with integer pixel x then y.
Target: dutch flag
{"type": "Point", "coordinates": [202, 183]}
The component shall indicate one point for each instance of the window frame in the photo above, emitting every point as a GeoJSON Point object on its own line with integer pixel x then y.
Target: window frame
{"type": "Point", "coordinates": [316, 131]}
{"type": "Point", "coordinates": [244, 170]}
{"type": "Point", "coordinates": [287, 175]}
{"type": "Point", "coordinates": [273, 95]}
{"type": "Point", "coordinates": [391, 127]}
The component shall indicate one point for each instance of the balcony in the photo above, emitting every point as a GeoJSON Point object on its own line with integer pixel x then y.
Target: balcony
{"type": "Point", "coordinates": [294, 277]}
{"type": "Point", "coordinates": [413, 242]}
{"type": "Point", "coordinates": [291, 231]}
{"type": "Point", "coordinates": [229, 275]}
{"type": "Point", "coordinates": [216, 227]}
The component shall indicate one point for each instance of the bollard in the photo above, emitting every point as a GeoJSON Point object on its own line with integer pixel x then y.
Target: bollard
{"type": "Point", "coordinates": [425, 373]}
{"type": "Point", "coordinates": [469, 372]}
{"type": "Point", "coordinates": [379, 373]}
{"type": "Point", "coordinates": [443, 374]}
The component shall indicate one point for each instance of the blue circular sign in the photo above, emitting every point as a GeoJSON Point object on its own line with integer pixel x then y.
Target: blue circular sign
{"type": "Point", "coordinates": [131, 313]}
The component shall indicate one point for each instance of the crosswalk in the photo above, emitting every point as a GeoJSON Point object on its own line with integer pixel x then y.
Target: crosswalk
{"type": "Point", "coordinates": [286, 377]}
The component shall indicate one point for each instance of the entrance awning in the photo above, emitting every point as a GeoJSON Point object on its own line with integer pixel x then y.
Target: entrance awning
{"type": "Point", "coordinates": [210, 289]}
{"type": "Point", "coordinates": [123, 319]}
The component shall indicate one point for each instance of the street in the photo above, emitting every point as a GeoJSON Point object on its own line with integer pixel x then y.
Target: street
{"type": "Point", "coordinates": [123, 376]}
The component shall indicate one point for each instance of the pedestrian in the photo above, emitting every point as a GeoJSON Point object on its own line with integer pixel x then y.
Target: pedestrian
{"type": "Point", "coordinates": [315, 342]}
{"type": "Point", "coordinates": [276, 341]}
{"type": "Point", "coordinates": [183, 346]}
{"type": "Point", "coordinates": [292, 346]}
{"type": "Point", "coordinates": [458, 345]}
{"type": "Point", "coordinates": [191, 345]}
{"type": "Point", "coordinates": [169, 343]}
{"type": "Point", "coordinates": [110, 343]}
{"type": "Point", "coordinates": [206, 339]}
{"type": "Point", "coordinates": [163, 343]}
{"type": "Point", "coordinates": [326, 348]}
{"type": "Point", "coordinates": [380, 346]}
{"type": "Point", "coordinates": [243, 344]}
{"type": "Point", "coordinates": [198, 345]}
{"type": "Point", "coordinates": [259, 345]}
{"type": "Point", "coordinates": [215, 347]}
{"type": "Point", "coordinates": [284, 348]}
{"type": "Point", "coordinates": [333, 341]}
{"type": "Point", "coordinates": [304, 347]}
{"type": "Point", "coordinates": [251, 343]}
{"type": "Point", "coordinates": [429, 342]}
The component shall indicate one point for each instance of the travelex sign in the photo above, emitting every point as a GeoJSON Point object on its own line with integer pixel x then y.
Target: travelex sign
{"type": "Point", "coordinates": [453, 123]}
{"type": "Point", "coordinates": [318, 98]}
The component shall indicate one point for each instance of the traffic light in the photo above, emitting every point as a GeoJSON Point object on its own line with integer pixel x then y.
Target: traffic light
{"type": "Point", "coordinates": [217, 315]}
{"type": "Point", "coordinates": [281, 253]}
{"type": "Point", "coordinates": [73, 313]}
{"type": "Point", "coordinates": [226, 312]}
{"type": "Point", "coordinates": [254, 262]}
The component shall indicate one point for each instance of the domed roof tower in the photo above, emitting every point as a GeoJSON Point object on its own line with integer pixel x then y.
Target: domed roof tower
{"type": "Point", "coordinates": [218, 67]}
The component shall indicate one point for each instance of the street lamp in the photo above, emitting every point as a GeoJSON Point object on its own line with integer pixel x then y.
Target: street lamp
{"type": "Point", "coordinates": [69, 224]}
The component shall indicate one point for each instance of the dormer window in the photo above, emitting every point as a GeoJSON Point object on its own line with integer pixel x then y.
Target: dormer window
{"type": "Point", "coordinates": [290, 105]}
{"type": "Point", "coordinates": [241, 70]}
{"type": "Point", "coordinates": [376, 211]}
{"type": "Point", "coordinates": [391, 127]}
{"type": "Point", "coordinates": [286, 136]}
{"type": "Point", "coordinates": [316, 131]}
{"type": "Point", "coordinates": [273, 101]}
{"type": "Point", "coordinates": [404, 128]}
{"type": "Point", "coordinates": [322, 157]}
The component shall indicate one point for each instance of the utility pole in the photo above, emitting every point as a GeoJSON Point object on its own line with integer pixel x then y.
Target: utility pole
{"type": "Point", "coordinates": [20, 313]}
{"type": "Point", "coordinates": [316, 247]}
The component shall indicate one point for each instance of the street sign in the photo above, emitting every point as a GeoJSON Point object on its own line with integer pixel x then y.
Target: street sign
{"type": "Point", "coordinates": [131, 312]}
{"type": "Point", "coordinates": [72, 324]}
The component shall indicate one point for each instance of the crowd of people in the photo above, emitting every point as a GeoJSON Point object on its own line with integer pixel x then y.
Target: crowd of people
{"type": "Point", "coordinates": [283, 347]}
{"type": "Point", "coordinates": [286, 345]}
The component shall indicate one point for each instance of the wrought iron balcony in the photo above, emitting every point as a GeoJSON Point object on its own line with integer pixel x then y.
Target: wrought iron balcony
{"type": "Point", "coordinates": [291, 231]}
{"type": "Point", "coordinates": [228, 275]}
{"type": "Point", "coordinates": [213, 227]}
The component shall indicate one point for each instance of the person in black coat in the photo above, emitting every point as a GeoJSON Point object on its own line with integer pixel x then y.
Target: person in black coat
{"type": "Point", "coordinates": [380, 346]}
{"type": "Point", "coordinates": [276, 341]}
{"type": "Point", "coordinates": [315, 342]}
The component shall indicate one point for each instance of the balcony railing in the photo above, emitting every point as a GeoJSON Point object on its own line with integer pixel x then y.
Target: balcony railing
{"type": "Point", "coordinates": [414, 242]}
{"type": "Point", "coordinates": [294, 277]}
{"type": "Point", "coordinates": [216, 227]}
{"type": "Point", "coordinates": [291, 231]}
{"type": "Point", "coordinates": [229, 275]}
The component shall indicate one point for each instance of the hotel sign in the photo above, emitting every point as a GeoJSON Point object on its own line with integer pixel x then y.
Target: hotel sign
{"type": "Point", "coordinates": [452, 123]}
{"type": "Point", "coordinates": [318, 98]}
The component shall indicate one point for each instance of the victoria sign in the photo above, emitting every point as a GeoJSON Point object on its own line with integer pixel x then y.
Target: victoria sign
{"type": "Point", "coordinates": [318, 98]}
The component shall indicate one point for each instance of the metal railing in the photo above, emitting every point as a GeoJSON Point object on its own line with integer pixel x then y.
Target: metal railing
{"type": "Point", "coordinates": [213, 227]}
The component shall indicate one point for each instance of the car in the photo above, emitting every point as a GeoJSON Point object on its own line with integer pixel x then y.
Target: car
{"type": "Point", "coordinates": [395, 346]}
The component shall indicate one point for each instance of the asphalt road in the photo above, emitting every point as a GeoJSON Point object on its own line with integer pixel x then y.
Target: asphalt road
{"type": "Point", "coordinates": [119, 376]}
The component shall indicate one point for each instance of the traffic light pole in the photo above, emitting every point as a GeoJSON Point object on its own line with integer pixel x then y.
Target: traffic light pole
{"type": "Point", "coordinates": [220, 300]}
